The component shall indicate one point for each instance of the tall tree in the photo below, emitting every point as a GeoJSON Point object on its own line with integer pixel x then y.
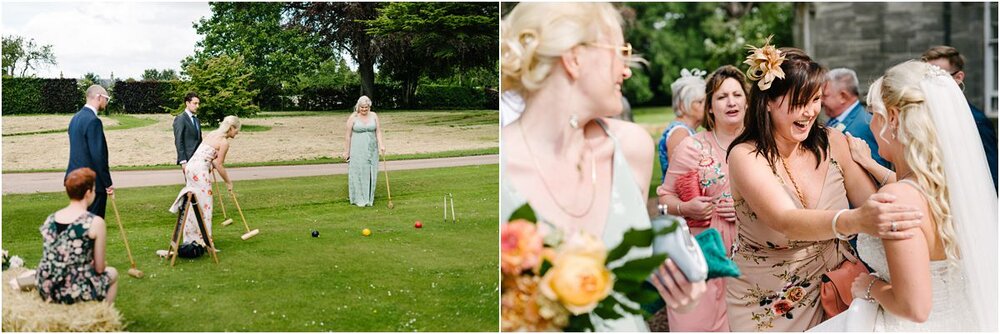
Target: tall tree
{"type": "Point", "coordinates": [224, 85]}
{"type": "Point", "coordinates": [258, 32]}
{"type": "Point", "coordinates": [456, 37]}
{"type": "Point", "coordinates": [674, 36]}
{"type": "Point", "coordinates": [341, 26]}
{"type": "Point", "coordinates": [152, 74]}
{"type": "Point", "coordinates": [18, 50]}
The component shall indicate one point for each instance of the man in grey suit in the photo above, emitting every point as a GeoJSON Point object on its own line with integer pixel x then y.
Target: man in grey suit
{"type": "Point", "coordinates": [187, 130]}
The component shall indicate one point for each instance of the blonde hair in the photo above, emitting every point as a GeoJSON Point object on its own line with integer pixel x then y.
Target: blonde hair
{"type": "Point", "coordinates": [900, 91]}
{"type": "Point", "coordinates": [229, 122]}
{"type": "Point", "coordinates": [535, 35]}
{"type": "Point", "coordinates": [363, 100]}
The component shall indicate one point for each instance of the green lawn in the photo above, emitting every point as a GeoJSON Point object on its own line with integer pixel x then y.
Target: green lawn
{"type": "Point", "coordinates": [439, 278]}
{"type": "Point", "coordinates": [653, 115]}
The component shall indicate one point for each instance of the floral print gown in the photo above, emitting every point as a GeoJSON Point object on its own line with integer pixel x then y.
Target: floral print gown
{"type": "Point", "coordinates": [780, 282]}
{"type": "Point", "coordinates": [66, 273]}
{"type": "Point", "coordinates": [701, 153]}
{"type": "Point", "coordinates": [199, 183]}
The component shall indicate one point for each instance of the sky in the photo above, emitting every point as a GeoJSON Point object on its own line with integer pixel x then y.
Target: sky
{"type": "Point", "coordinates": [104, 37]}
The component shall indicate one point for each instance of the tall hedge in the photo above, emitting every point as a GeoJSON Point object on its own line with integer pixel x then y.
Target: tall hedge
{"type": "Point", "coordinates": [450, 97]}
{"type": "Point", "coordinates": [40, 96]}
{"type": "Point", "coordinates": [389, 96]}
{"type": "Point", "coordinates": [146, 97]}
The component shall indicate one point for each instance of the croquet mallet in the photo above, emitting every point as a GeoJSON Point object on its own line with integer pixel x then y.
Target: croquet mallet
{"type": "Point", "coordinates": [132, 271]}
{"type": "Point", "coordinates": [386, 166]}
{"type": "Point", "coordinates": [249, 233]}
{"type": "Point", "coordinates": [222, 202]}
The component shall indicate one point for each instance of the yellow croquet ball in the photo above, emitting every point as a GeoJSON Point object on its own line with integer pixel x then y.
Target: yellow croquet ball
{"type": "Point", "coordinates": [366, 232]}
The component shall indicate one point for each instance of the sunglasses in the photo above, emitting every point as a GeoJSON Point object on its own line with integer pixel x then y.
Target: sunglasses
{"type": "Point", "coordinates": [624, 51]}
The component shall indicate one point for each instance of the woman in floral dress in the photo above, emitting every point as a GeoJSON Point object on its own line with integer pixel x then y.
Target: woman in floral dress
{"type": "Point", "coordinates": [705, 154]}
{"type": "Point", "coordinates": [72, 268]}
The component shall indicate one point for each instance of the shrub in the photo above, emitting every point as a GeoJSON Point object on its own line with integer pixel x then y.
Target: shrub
{"type": "Point", "coordinates": [222, 83]}
{"type": "Point", "coordinates": [450, 97]}
{"type": "Point", "coordinates": [40, 96]}
{"type": "Point", "coordinates": [145, 97]}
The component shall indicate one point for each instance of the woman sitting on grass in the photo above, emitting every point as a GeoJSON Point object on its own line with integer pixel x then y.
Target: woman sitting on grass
{"type": "Point", "coordinates": [72, 268]}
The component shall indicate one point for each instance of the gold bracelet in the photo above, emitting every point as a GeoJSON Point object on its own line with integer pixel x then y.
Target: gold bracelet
{"type": "Point", "coordinates": [868, 292]}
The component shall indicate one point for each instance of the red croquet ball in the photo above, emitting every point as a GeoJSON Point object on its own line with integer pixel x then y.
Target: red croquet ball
{"type": "Point", "coordinates": [418, 224]}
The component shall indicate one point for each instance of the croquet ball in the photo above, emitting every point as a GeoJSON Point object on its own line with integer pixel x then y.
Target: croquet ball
{"type": "Point", "coordinates": [418, 224]}
{"type": "Point", "coordinates": [315, 234]}
{"type": "Point", "coordinates": [366, 232]}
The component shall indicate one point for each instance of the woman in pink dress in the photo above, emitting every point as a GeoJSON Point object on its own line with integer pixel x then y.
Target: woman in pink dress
{"type": "Point", "coordinates": [705, 155]}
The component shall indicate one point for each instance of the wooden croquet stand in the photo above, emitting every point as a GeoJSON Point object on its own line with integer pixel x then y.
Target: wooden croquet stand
{"type": "Point", "coordinates": [178, 234]}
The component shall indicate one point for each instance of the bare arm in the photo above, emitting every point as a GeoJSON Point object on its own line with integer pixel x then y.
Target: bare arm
{"type": "Point", "coordinates": [219, 163]}
{"type": "Point", "coordinates": [98, 232]}
{"type": "Point", "coordinates": [754, 182]}
{"type": "Point", "coordinates": [861, 153]}
{"type": "Point", "coordinates": [675, 139]}
{"type": "Point", "coordinates": [347, 137]}
{"type": "Point", "coordinates": [698, 208]}
{"type": "Point", "coordinates": [910, 293]}
{"type": "Point", "coordinates": [859, 186]}
{"type": "Point", "coordinates": [638, 148]}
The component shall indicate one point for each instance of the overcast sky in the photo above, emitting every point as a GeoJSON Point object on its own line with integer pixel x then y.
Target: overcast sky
{"type": "Point", "coordinates": [104, 37]}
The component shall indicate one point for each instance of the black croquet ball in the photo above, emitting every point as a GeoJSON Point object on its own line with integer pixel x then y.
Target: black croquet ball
{"type": "Point", "coordinates": [315, 234]}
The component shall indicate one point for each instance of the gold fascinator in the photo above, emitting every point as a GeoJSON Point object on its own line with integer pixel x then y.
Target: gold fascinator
{"type": "Point", "coordinates": [765, 64]}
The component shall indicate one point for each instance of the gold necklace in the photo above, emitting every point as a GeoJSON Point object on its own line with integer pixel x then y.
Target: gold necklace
{"type": "Point", "coordinates": [798, 192]}
{"type": "Point", "coordinates": [593, 177]}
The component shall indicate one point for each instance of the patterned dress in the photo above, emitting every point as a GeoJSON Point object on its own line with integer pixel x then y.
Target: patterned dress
{"type": "Point", "coordinates": [661, 146]}
{"type": "Point", "coordinates": [362, 170]}
{"type": "Point", "coordinates": [66, 273]}
{"type": "Point", "coordinates": [701, 153]}
{"type": "Point", "coordinates": [199, 182]}
{"type": "Point", "coordinates": [779, 289]}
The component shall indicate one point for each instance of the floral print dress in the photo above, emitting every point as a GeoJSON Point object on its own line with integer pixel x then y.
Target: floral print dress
{"type": "Point", "coordinates": [199, 182]}
{"type": "Point", "coordinates": [780, 282]}
{"type": "Point", "coordinates": [701, 153]}
{"type": "Point", "coordinates": [66, 273]}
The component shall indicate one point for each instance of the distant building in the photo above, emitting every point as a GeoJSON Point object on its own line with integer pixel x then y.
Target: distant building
{"type": "Point", "coordinates": [871, 37]}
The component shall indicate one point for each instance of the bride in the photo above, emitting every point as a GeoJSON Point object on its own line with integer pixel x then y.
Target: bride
{"type": "Point", "coordinates": [945, 278]}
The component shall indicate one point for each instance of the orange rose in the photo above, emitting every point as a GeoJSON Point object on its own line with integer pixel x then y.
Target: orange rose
{"type": "Point", "coordinates": [795, 294]}
{"type": "Point", "coordinates": [578, 279]}
{"type": "Point", "coordinates": [520, 247]}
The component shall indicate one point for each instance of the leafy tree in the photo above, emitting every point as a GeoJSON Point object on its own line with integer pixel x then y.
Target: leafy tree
{"type": "Point", "coordinates": [87, 80]}
{"type": "Point", "coordinates": [153, 74]}
{"type": "Point", "coordinates": [674, 36]}
{"type": "Point", "coordinates": [341, 26]}
{"type": "Point", "coordinates": [31, 56]}
{"type": "Point", "coordinates": [258, 33]}
{"type": "Point", "coordinates": [224, 85]}
{"type": "Point", "coordinates": [456, 37]}
{"type": "Point", "coordinates": [330, 73]}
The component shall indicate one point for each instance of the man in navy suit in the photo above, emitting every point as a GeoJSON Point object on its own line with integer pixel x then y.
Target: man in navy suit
{"type": "Point", "coordinates": [949, 60]}
{"type": "Point", "coordinates": [841, 104]}
{"type": "Point", "coordinates": [89, 148]}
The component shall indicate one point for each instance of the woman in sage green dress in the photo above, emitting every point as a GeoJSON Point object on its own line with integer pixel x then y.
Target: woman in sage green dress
{"type": "Point", "coordinates": [362, 147]}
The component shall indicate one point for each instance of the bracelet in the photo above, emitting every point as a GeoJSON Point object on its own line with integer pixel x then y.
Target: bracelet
{"type": "Point", "coordinates": [868, 292]}
{"type": "Point", "coordinates": [833, 225]}
{"type": "Point", "coordinates": [886, 178]}
{"type": "Point", "coordinates": [679, 213]}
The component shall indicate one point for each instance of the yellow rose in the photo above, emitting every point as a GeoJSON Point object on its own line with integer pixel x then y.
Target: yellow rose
{"type": "Point", "coordinates": [578, 279]}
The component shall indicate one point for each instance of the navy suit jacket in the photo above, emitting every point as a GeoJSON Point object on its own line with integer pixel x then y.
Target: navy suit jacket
{"type": "Point", "coordinates": [88, 147]}
{"type": "Point", "coordinates": [856, 124]}
{"type": "Point", "coordinates": [989, 138]}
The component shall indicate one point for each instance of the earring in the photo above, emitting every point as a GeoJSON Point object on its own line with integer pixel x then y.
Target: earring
{"type": "Point", "coordinates": [574, 122]}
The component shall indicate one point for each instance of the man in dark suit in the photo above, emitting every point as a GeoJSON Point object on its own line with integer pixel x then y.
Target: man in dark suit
{"type": "Point", "coordinates": [89, 148]}
{"type": "Point", "coordinates": [842, 105]}
{"type": "Point", "coordinates": [187, 130]}
{"type": "Point", "coordinates": [949, 60]}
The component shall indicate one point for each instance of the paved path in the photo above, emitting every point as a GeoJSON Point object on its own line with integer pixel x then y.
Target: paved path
{"type": "Point", "coordinates": [21, 183]}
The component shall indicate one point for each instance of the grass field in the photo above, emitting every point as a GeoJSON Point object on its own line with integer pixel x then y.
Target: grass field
{"type": "Point", "coordinates": [442, 277]}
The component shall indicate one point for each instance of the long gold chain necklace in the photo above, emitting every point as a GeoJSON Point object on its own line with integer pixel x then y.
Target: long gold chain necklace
{"type": "Point", "coordinates": [798, 191]}
{"type": "Point", "coordinates": [541, 175]}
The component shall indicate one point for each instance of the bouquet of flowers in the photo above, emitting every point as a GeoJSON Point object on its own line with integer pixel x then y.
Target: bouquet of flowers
{"type": "Point", "coordinates": [11, 262]}
{"type": "Point", "coordinates": [555, 283]}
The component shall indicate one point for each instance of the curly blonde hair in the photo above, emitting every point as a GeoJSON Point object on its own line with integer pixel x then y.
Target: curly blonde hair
{"type": "Point", "coordinates": [901, 96]}
{"type": "Point", "coordinates": [535, 35]}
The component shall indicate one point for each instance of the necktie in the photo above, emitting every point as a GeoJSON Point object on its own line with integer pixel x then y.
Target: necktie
{"type": "Point", "coordinates": [832, 122]}
{"type": "Point", "coordinates": [196, 125]}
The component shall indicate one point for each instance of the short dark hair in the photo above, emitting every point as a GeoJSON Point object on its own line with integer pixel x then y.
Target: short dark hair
{"type": "Point", "coordinates": [804, 78]}
{"type": "Point", "coordinates": [191, 95]}
{"type": "Point", "coordinates": [78, 182]}
{"type": "Point", "coordinates": [713, 83]}
{"type": "Point", "coordinates": [956, 59]}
